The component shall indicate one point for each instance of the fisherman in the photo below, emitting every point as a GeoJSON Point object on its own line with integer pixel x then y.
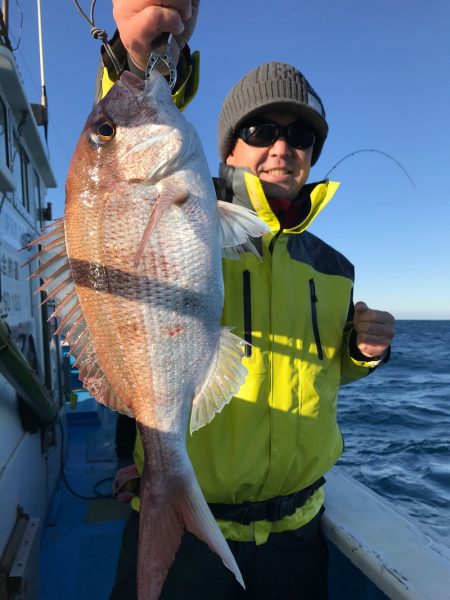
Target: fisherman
{"type": "Point", "coordinates": [261, 462]}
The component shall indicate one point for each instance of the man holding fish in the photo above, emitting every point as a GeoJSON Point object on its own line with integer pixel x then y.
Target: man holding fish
{"type": "Point", "coordinates": [260, 462]}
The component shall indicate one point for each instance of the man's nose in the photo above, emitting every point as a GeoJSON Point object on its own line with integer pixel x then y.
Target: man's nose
{"type": "Point", "coordinates": [280, 147]}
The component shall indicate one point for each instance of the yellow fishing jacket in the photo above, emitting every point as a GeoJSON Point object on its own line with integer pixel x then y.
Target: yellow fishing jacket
{"type": "Point", "coordinates": [294, 305]}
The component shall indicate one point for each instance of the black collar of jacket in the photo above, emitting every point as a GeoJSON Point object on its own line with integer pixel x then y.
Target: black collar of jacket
{"type": "Point", "coordinates": [230, 187]}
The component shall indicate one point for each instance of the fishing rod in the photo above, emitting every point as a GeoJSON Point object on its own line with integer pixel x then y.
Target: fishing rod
{"type": "Point", "coordinates": [398, 163]}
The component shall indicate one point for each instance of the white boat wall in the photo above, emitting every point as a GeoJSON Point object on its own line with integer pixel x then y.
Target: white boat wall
{"type": "Point", "coordinates": [30, 365]}
{"type": "Point", "coordinates": [377, 550]}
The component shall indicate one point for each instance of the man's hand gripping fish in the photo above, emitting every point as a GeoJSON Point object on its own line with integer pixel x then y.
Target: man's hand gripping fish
{"type": "Point", "coordinates": [135, 268]}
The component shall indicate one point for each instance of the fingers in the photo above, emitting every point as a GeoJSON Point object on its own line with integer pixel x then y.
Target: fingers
{"type": "Point", "coordinates": [361, 307]}
{"type": "Point", "coordinates": [140, 22]}
{"type": "Point", "coordinates": [189, 26]}
{"type": "Point", "coordinates": [125, 8]}
{"type": "Point", "coordinates": [375, 330]}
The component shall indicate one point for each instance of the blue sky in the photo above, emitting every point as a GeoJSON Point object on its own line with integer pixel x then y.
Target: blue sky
{"type": "Point", "coordinates": [382, 71]}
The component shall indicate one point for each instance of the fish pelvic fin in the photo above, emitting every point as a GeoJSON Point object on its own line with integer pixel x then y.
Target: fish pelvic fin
{"type": "Point", "coordinates": [237, 225]}
{"type": "Point", "coordinates": [225, 376]}
{"type": "Point", "coordinates": [170, 194]}
{"type": "Point", "coordinates": [163, 518]}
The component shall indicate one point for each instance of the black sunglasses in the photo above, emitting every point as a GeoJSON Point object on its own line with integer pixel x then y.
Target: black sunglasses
{"type": "Point", "coordinates": [298, 135]}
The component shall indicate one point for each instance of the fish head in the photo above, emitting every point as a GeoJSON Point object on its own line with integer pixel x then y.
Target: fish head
{"type": "Point", "coordinates": [134, 136]}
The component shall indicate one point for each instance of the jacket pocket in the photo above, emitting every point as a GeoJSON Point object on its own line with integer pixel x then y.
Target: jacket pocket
{"type": "Point", "coordinates": [313, 298]}
{"type": "Point", "coordinates": [247, 296]}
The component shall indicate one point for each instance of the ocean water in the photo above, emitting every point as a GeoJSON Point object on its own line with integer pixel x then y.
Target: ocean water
{"type": "Point", "coordinates": [396, 425]}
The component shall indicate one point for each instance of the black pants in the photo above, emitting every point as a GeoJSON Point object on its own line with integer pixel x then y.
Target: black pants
{"type": "Point", "coordinates": [125, 436]}
{"type": "Point", "coordinates": [290, 566]}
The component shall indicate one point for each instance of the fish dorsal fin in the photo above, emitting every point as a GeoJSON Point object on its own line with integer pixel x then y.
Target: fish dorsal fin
{"type": "Point", "coordinates": [237, 225]}
{"type": "Point", "coordinates": [224, 378]}
{"type": "Point", "coordinates": [56, 273]}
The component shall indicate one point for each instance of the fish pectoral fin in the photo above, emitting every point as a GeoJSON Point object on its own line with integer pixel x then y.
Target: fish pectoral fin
{"type": "Point", "coordinates": [224, 378]}
{"type": "Point", "coordinates": [170, 194]}
{"type": "Point", "coordinates": [237, 225]}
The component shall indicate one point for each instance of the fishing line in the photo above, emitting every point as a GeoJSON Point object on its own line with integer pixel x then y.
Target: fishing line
{"type": "Point", "coordinates": [98, 495]}
{"type": "Point", "coordinates": [398, 163]}
{"type": "Point", "coordinates": [99, 34]}
{"type": "Point", "coordinates": [20, 27]}
{"type": "Point", "coordinates": [4, 196]}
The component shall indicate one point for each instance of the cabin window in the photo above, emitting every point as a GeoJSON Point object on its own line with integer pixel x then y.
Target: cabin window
{"type": "Point", "coordinates": [20, 166]}
{"type": "Point", "coordinates": [16, 168]}
{"type": "Point", "coordinates": [24, 171]}
{"type": "Point", "coordinates": [3, 134]}
{"type": "Point", "coordinates": [35, 194]}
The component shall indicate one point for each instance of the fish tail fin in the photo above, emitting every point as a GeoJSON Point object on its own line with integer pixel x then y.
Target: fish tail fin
{"type": "Point", "coordinates": [199, 520]}
{"type": "Point", "coordinates": [162, 521]}
{"type": "Point", "coordinates": [160, 534]}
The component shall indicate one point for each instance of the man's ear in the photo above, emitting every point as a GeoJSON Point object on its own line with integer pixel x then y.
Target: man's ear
{"type": "Point", "coordinates": [230, 158]}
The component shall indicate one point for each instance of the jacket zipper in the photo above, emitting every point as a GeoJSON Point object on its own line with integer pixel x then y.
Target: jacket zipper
{"type": "Point", "coordinates": [273, 241]}
{"type": "Point", "coordinates": [247, 312]}
{"type": "Point", "coordinates": [312, 293]}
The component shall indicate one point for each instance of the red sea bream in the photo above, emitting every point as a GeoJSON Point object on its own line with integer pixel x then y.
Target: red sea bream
{"type": "Point", "coordinates": [135, 268]}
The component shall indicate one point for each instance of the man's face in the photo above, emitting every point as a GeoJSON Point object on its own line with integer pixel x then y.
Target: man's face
{"type": "Point", "coordinates": [282, 169]}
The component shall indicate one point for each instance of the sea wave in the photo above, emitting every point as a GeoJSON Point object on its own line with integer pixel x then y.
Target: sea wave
{"type": "Point", "coordinates": [396, 424]}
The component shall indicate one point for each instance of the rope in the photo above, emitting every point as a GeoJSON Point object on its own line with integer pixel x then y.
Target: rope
{"type": "Point", "coordinates": [99, 34]}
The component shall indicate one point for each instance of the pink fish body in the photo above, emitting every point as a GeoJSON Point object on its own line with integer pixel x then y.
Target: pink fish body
{"type": "Point", "coordinates": [135, 268]}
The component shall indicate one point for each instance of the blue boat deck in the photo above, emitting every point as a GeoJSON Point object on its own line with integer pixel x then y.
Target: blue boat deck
{"type": "Point", "coordinates": [81, 538]}
{"type": "Point", "coordinates": [372, 546]}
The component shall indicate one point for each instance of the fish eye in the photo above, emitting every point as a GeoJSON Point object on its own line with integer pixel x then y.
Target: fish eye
{"type": "Point", "coordinates": [103, 132]}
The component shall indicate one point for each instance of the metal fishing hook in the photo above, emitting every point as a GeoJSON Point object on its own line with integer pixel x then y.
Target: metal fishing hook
{"type": "Point", "coordinates": [161, 56]}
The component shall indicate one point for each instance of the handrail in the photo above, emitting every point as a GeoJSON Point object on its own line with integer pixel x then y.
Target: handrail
{"type": "Point", "coordinates": [18, 372]}
{"type": "Point", "coordinates": [403, 558]}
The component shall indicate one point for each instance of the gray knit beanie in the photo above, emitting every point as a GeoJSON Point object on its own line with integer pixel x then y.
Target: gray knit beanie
{"type": "Point", "coordinates": [272, 86]}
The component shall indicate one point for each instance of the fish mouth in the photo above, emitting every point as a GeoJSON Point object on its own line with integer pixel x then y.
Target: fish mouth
{"type": "Point", "coordinates": [133, 85]}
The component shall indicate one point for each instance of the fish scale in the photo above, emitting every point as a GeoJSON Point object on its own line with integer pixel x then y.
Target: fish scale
{"type": "Point", "coordinates": [163, 303]}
